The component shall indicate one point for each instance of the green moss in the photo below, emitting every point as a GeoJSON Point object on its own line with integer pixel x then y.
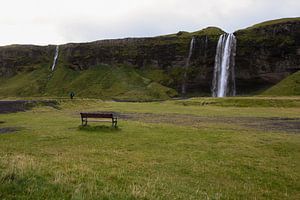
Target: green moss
{"type": "Point", "coordinates": [105, 82]}
{"type": "Point", "coordinates": [25, 83]}
{"type": "Point", "coordinates": [209, 31]}
{"type": "Point", "coordinates": [290, 86]}
{"type": "Point", "coordinates": [252, 35]}
{"type": "Point", "coordinates": [157, 75]}
{"type": "Point", "coordinates": [272, 22]}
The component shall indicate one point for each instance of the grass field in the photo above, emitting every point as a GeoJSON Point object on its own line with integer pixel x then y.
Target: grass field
{"type": "Point", "coordinates": [201, 148]}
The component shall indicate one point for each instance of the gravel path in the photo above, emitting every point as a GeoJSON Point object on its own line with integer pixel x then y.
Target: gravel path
{"type": "Point", "coordinates": [289, 125]}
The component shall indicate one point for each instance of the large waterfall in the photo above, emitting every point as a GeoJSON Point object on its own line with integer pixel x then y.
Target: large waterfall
{"type": "Point", "coordinates": [187, 64]}
{"type": "Point", "coordinates": [224, 78]}
{"type": "Point", "coordinates": [55, 58]}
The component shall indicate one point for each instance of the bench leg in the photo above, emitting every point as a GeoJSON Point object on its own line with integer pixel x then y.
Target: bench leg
{"type": "Point", "coordinates": [114, 122]}
{"type": "Point", "coordinates": [83, 121]}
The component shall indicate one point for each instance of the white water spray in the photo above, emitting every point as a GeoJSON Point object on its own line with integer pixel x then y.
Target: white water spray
{"type": "Point", "coordinates": [187, 64]}
{"type": "Point", "coordinates": [224, 77]}
{"type": "Point", "coordinates": [55, 58]}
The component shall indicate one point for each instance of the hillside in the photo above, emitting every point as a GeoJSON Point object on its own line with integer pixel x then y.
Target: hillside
{"type": "Point", "coordinates": [122, 69]}
{"type": "Point", "coordinates": [105, 82]}
{"type": "Point", "coordinates": [289, 86]}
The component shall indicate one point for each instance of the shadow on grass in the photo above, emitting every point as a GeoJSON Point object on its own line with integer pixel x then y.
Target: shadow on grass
{"type": "Point", "coordinates": [102, 128]}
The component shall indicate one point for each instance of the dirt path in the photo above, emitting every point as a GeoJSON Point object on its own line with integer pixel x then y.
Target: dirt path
{"type": "Point", "coordinates": [290, 125]}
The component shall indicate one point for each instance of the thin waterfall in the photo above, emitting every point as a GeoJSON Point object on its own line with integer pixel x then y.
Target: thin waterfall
{"type": "Point", "coordinates": [205, 46]}
{"type": "Point", "coordinates": [224, 77]}
{"type": "Point", "coordinates": [55, 58]}
{"type": "Point", "coordinates": [187, 64]}
{"type": "Point", "coordinates": [206, 41]}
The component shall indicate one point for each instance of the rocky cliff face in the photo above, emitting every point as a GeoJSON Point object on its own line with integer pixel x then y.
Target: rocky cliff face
{"type": "Point", "coordinates": [21, 58]}
{"type": "Point", "coordinates": [168, 53]}
{"type": "Point", "coordinates": [266, 53]}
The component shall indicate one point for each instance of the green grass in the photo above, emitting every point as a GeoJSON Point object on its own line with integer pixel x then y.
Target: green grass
{"type": "Point", "coordinates": [207, 107]}
{"type": "Point", "coordinates": [243, 102]}
{"type": "Point", "coordinates": [251, 36]}
{"type": "Point", "coordinates": [25, 83]}
{"type": "Point", "coordinates": [53, 157]}
{"type": "Point", "coordinates": [106, 82]}
{"type": "Point", "coordinates": [272, 22]}
{"type": "Point", "coordinates": [209, 31]}
{"type": "Point", "coordinates": [290, 86]}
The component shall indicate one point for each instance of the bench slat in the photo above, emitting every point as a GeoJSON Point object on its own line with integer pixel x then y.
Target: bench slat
{"type": "Point", "coordinates": [97, 115]}
{"type": "Point", "coordinates": [99, 120]}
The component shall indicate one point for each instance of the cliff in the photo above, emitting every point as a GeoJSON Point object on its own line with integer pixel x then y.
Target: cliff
{"type": "Point", "coordinates": [266, 53]}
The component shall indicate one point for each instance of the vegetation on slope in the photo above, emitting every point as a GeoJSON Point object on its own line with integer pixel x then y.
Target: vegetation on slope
{"type": "Point", "coordinates": [106, 82]}
{"type": "Point", "coordinates": [24, 83]}
{"type": "Point", "coordinates": [290, 86]}
{"type": "Point", "coordinates": [272, 22]}
{"type": "Point", "coordinates": [209, 31]}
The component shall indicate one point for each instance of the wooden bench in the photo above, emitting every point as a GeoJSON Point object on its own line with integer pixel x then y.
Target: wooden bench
{"type": "Point", "coordinates": [103, 116]}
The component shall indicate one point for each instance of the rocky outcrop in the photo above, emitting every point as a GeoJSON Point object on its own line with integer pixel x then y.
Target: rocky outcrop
{"type": "Point", "coordinates": [21, 58]}
{"type": "Point", "coordinates": [266, 53]}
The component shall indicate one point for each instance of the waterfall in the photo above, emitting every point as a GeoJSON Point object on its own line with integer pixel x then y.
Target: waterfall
{"type": "Point", "coordinates": [55, 57]}
{"type": "Point", "coordinates": [187, 64]}
{"type": "Point", "coordinates": [206, 42]}
{"type": "Point", "coordinates": [224, 78]}
{"type": "Point", "coordinates": [205, 46]}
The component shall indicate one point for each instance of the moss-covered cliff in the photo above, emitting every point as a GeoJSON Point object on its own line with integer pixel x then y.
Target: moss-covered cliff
{"type": "Point", "coordinates": [164, 53]}
{"type": "Point", "coordinates": [266, 53]}
{"type": "Point", "coordinates": [151, 67]}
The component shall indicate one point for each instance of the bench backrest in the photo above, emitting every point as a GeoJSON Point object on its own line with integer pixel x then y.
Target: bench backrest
{"type": "Point", "coordinates": [97, 115]}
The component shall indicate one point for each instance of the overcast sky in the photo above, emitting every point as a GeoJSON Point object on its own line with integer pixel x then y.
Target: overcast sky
{"type": "Point", "coordinates": [61, 21]}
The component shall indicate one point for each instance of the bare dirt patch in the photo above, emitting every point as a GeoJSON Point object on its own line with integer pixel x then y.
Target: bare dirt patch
{"type": "Point", "coordinates": [290, 125]}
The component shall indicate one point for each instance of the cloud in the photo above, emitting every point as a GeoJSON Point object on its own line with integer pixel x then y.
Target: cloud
{"type": "Point", "coordinates": [61, 21]}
